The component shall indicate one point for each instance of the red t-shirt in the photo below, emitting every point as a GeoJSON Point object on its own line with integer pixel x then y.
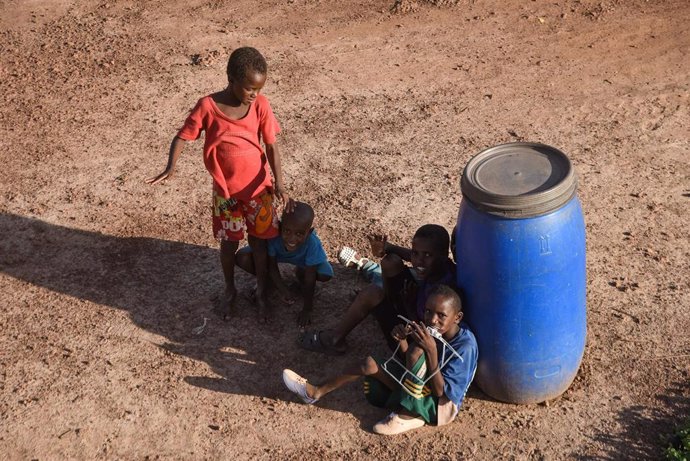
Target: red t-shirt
{"type": "Point", "coordinates": [232, 149]}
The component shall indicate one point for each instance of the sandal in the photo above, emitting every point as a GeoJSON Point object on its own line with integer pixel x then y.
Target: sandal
{"type": "Point", "coordinates": [295, 383]}
{"type": "Point", "coordinates": [311, 341]}
{"type": "Point", "coordinates": [348, 258]}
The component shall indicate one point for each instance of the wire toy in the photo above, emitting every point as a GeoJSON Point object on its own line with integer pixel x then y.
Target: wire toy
{"type": "Point", "coordinates": [422, 382]}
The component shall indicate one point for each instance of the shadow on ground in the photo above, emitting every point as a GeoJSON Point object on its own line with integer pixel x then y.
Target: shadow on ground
{"type": "Point", "coordinates": [167, 289]}
{"type": "Point", "coordinates": [646, 431]}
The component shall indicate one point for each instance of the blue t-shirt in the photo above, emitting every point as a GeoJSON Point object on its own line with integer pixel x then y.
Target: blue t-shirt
{"type": "Point", "coordinates": [458, 374]}
{"type": "Point", "coordinates": [310, 253]}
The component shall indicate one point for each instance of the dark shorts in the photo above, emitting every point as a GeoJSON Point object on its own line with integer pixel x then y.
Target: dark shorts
{"type": "Point", "coordinates": [413, 395]}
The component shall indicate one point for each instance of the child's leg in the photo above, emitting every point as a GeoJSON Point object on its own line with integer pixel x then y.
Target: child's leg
{"type": "Point", "coordinates": [227, 227]}
{"type": "Point", "coordinates": [367, 367]}
{"type": "Point", "coordinates": [244, 259]}
{"type": "Point", "coordinates": [369, 300]}
{"type": "Point", "coordinates": [262, 224]}
{"type": "Point", "coordinates": [417, 400]}
{"type": "Point", "coordinates": [308, 288]}
{"type": "Point", "coordinates": [365, 302]}
{"type": "Point", "coordinates": [227, 261]}
{"type": "Point", "coordinates": [413, 354]}
{"type": "Point", "coordinates": [320, 277]}
{"type": "Point", "coordinates": [260, 259]}
{"type": "Point", "coordinates": [391, 266]}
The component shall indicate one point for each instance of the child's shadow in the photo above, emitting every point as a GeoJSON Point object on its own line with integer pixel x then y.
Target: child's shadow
{"type": "Point", "coordinates": [167, 288]}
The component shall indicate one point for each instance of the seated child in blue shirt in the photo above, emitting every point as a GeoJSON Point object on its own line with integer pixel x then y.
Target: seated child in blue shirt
{"type": "Point", "coordinates": [297, 244]}
{"type": "Point", "coordinates": [422, 394]}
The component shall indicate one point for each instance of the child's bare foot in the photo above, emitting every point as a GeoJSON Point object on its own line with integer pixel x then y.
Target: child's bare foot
{"type": "Point", "coordinates": [228, 304]}
{"type": "Point", "coordinates": [264, 308]}
{"type": "Point", "coordinates": [304, 318]}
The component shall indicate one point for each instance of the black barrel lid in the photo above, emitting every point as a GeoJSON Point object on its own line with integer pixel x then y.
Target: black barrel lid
{"type": "Point", "coordinates": [519, 180]}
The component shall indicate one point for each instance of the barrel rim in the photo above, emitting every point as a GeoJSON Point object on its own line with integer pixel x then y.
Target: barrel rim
{"type": "Point", "coordinates": [518, 206]}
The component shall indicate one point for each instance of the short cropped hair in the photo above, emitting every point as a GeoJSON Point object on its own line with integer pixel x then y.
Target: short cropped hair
{"type": "Point", "coordinates": [303, 214]}
{"type": "Point", "coordinates": [244, 60]}
{"type": "Point", "coordinates": [448, 294]}
{"type": "Point", "coordinates": [437, 235]}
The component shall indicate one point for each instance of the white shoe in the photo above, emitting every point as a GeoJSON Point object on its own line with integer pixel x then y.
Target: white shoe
{"type": "Point", "coordinates": [394, 424]}
{"type": "Point", "coordinates": [298, 385]}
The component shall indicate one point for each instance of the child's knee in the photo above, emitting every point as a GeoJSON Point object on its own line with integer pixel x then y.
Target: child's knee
{"type": "Point", "coordinates": [392, 265]}
{"type": "Point", "coordinates": [369, 366]}
{"type": "Point", "coordinates": [414, 353]}
{"type": "Point", "coordinates": [372, 294]}
{"type": "Point", "coordinates": [258, 245]}
{"type": "Point", "coordinates": [323, 277]}
{"type": "Point", "coordinates": [244, 260]}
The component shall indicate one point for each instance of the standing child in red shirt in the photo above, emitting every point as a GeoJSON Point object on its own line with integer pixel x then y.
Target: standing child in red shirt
{"type": "Point", "coordinates": [236, 120]}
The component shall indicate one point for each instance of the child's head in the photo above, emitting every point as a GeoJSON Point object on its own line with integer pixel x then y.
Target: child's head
{"type": "Point", "coordinates": [295, 226]}
{"type": "Point", "coordinates": [247, 71]}
{"type": "Point", "coordinates": [430, 250]}
{"type": "Point", "coordinates": [443, 310]}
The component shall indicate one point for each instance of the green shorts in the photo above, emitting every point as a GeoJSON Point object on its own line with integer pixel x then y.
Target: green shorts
{"type": "Point", "coordinates": [415, 397]}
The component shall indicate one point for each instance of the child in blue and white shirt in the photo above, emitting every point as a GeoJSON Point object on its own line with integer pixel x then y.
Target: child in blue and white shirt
{"type": "Point", "coordinates": [430, 387]}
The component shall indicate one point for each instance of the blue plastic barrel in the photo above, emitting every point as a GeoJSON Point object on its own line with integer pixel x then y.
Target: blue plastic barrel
{"type": "Point", "coordinates": [520, 247]}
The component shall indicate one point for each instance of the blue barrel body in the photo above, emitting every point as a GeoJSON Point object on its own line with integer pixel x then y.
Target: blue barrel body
{"type": "Point", "coordinates": [524, 283]}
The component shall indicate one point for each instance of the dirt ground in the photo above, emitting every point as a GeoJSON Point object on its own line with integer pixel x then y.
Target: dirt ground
{"type": "Point", "coordinates": [103, 277]}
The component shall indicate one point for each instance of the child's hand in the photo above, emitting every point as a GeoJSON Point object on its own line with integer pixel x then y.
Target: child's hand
{"type": "Point", "coordinates": [167, 174]}
{"type": "Point", "coordinates": [401, 331]}
{"type": "Point", "coordinates": [423, 338]}
{"type": "Point", "coordinates": [378, 244]}
{"type": "Point", "coordinates": [289, 205]}
{"type": "Point", "coordinates": [285, 200]}
{"type": "Point", "coordinates": [287, 298]}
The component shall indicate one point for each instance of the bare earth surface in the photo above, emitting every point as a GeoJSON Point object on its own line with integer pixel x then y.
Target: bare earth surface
{"type": "Point", "coordinates": [103, 277]}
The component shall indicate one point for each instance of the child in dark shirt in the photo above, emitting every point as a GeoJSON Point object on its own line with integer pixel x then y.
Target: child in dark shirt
{"type": "Point", "coordinates": [399, 290]}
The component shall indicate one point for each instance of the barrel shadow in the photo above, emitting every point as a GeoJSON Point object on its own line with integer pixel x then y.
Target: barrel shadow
{"type": "Point", "coordinates": [646, 431]}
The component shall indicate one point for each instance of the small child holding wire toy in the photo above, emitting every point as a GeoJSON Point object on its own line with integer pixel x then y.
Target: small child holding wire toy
{"type": "Point", "coordinates": [440, 359]}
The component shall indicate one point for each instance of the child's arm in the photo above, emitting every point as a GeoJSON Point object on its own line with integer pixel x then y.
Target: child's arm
{"type": "Point", "coordinates": [380, 246]}
{"type": "Point", "coordinates": [427, 342]}
{"type": "Point", "coordinates": [176, 148]}
{"type": "Point", "coordinates": [308, 287]}
{"type": "Point", "coordinates": [273, 155]}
